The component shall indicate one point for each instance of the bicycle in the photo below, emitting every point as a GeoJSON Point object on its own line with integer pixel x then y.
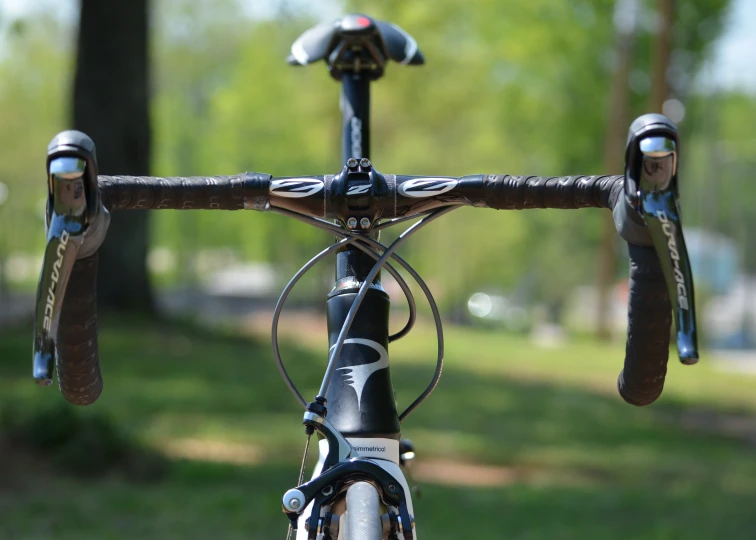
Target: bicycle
{"type": "Point", "coordinates": [358, 489]}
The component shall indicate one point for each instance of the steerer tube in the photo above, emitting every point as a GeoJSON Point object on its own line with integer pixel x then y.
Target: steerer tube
{"type": "Point", "coordinates": [355, 142]}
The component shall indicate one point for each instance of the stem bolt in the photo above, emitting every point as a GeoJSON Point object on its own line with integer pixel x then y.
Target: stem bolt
{"type": "Point", "coordinates": [352, 163]}
{"type": "Point", "coordinates": [352, 222]}
{"type": "Point", "coordinates": [365, 163]}
{"type": "Point", "coordinates": [365, 223]}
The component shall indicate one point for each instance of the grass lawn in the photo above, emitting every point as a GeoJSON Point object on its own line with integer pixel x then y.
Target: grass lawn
{"type": "Point", "coordinates": [549, 449]}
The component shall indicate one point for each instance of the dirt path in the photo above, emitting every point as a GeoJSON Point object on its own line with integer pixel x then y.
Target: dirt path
{"type": "Point", "coordinates": [431, 471]}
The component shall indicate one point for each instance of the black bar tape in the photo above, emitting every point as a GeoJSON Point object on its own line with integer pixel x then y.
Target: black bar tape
{"type": "Point", "coordinates": [504, 192]}
{"type": "Point", "coordinates": [77, 359]}
{"type": "Point", "coordinates": [243, 191]}
{"type": "Point", "coordinates": [649, 311]}
{"type": "Point", "coordinates": [649, 318]}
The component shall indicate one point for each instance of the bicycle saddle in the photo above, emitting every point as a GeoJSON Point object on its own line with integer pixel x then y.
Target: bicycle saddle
{"type": "Point", "coordinates": [355, 43]}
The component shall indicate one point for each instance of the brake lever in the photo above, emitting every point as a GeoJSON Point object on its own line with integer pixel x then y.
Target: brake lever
{"type": "Point", "coordinates": [651, 187]}
{"type": "Point", "coordinates": [72, 205]}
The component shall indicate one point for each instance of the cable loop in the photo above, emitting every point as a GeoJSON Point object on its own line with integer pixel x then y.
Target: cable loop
{"type": "Point", "coordinates": [372, 248]}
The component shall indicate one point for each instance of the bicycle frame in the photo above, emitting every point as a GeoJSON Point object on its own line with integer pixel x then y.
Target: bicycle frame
{"type": "Point", "coordinates": [360, 397]}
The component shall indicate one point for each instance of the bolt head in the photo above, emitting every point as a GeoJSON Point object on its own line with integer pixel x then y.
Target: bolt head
{"type": "Point", "coordinates": [392, 488]}
{"type": "Point", "coordinates": [352, 222]}
{"type": "Point", "coordinates": [351, 163]}
{"type": "Point", "coordinates": [365, 163]}
{"type": "Point", "coordinates": [365, 223]}
{"type": "Point", "coordinates": [293, 499]}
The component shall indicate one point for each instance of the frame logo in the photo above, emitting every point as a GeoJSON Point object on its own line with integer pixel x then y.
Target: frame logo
{"type": "Point", "coordinates": [357, 376]}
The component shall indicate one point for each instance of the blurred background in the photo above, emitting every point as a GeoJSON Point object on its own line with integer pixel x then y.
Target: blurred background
{"type": "Point", "coordinates": [525, 437]}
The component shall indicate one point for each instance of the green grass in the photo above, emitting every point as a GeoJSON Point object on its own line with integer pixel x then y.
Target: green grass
{"type": "Point", "coordinates": [585, 465]}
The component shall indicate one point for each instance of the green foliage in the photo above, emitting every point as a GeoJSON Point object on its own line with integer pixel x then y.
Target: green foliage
{"type": "Point", "coordinates": [35, 70]}
{"type": "Point", "coordinates": [509, 87]}
{"type": "Point", "coordinates": [719, 166]}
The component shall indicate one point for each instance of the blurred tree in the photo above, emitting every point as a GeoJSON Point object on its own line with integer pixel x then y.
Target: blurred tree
{"type": "Point", "coordinates": [33, 68]}
{"type": "Point", "coordinates": [662, 49]}
{"type": "Point", "coordinates": [250, 113]}
{"type": "Point", "coordinates": [625, 23]}
{"type": "Point", "coordinates": [502, 91]}
{"type": "Point", "coordinates": [111, 106]}
{"type": "Point", "coordinates": [720, 163]}
{"type": "Point", "coordinates": [197, 45]}
{"type": "Point", "coordinates": [516, 87]}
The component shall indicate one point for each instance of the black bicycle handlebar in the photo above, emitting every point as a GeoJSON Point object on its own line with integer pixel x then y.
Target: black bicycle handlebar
{"type": "Point", "coordinates": [78, 363]}
{"type": "Point", "coordinates": [359, 196]}
{"type": "Point", "coordinates": [404, 195]}
{"type": "Point", "coordinates": [648, 324]}
{"type": "Point", "coordinates": [244, 191]}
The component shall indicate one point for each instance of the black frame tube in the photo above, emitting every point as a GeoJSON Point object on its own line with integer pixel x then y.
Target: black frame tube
{"type": "Point", "coordinates": [355, 116]}
{"type": "Point", "coordinates": [355, 143]}
{"type": "Point", "coordinates": [374, 414]}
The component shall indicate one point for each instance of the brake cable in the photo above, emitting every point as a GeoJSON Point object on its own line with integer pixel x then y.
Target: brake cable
{"type": "Point", "coordinates": [338, 231]}
{"type": "Point", "coordinates": [301, 476]}
{"type": "Point", "coordinates": [368, 245]}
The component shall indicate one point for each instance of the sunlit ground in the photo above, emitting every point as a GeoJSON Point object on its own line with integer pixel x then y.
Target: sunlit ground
{"type": "Point", "coordinates": [517, 441]}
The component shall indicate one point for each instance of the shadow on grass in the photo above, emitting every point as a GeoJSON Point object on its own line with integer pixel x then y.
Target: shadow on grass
{"type": "Point", "coordinates": [504, 421]}
{"type": "Point", "coordinates": [593, 466]}
{"type": "Point", "coordinates": [204, 500]}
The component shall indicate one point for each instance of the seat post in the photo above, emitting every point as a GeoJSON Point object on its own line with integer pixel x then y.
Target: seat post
{"type": "Point", "coordinates": [355, 115]}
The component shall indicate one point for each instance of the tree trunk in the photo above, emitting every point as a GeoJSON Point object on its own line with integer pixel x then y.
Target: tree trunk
{"type": "Point", "coordinates": [617, 124]}
{"type": "Point", "coordinates": [111, 106]}
{"type": "Point", "coordinates": [662, 50]}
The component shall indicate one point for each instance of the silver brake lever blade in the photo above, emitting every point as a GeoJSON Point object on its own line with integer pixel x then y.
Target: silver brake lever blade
{"type": "Point", "coordinates": [67, 223]}
{"type": "Point", "coordinates": [659, 206]}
